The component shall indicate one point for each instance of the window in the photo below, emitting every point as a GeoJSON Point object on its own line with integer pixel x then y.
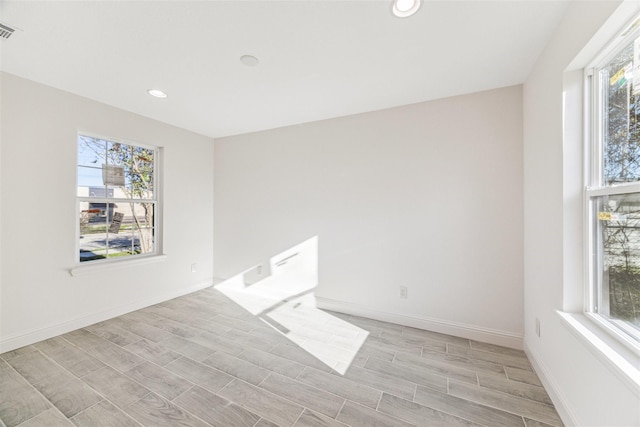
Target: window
{"type": "Point", "coordinates": [117, 199]}
{"type": "Point", "coordinates": [613, 188]}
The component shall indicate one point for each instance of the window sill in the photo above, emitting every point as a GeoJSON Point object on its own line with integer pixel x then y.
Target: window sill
{"type": "Point", "coordinates": [621, 360]}
{"type": "Point", "coordinates": [102, 266]}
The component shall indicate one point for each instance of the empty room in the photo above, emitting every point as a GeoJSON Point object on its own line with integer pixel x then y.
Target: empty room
{"type": "Point", "coordinates": [320, 213]}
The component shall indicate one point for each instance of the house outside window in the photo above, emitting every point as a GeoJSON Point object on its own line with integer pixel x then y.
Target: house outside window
{"type": "Point", "coordinates": [117, 199]}
{"type": "Point", "coordinates": [613, 188]}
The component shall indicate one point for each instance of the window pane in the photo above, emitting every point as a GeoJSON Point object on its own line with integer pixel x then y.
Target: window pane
{"type": "Point", "coordinates": [91, 151]}
{"type": "Point", "coordinates": [93, 231]}
{"type": "Point", "coordinates": [139, 173]}
{"type": "Point", "coordinates": [121, 244]}
{"type": "Point", "coordinates": [621, 129]}
{"type": "Point", "coordinates": [142, 216]}
{"type": "Point", "coordinates": [618, 253]}
{"type": "Point", "coordinates": [89, 177]}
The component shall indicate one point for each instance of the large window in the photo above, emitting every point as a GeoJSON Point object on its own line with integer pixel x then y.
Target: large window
{"type": "Point", "coordinates": [613, 188]}
{"type": "Point", "coordinates": [117, 199]}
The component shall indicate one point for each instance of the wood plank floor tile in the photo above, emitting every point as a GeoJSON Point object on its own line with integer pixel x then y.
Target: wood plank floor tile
{"type": "Point", "coordinates": [209, 325]}
{"type": "Point", "coordinates": [177, 328]}
{"type": "Point", "coordinates": [503, 359]}
{"type": "Point", "coordinates": [304, 395]}
{"type": "Point", "coordinates": [153, 352]}
{"type": "Point", "coordinates": [114, 333]}
{"type": "Point", "coordinates": [68, 393]}
{"type": "Point", "coordinates": [49, 418]}
{"type": "Point", "coordinates": [169, 315]}
{"type": "Point", "coordinates": [419, 415]}
{"type": "Point", "coordinates": [466, 409]}
{"type": "Point", "coordinates": [218, 343]}
{"type": "Point", "coordinates": [214, 409]}
{"type": "Point", "coordinates": [143, 330]}
{"type": "Point", "coordinates": [246, 340]}
{"type": "Point", "coordinates": [19, 400]}
{"type": "Point", "coordinates": [35, 367]}
{"type": "Point", "coordinates": [516, 388]}
{"type": "Point", "coordinates": [365, 323]}
{"type": "Point", "coordinates": [187, 348]}
{"type": "Point", "coordinates": [387, 346]}
{"type": "Point", "coordinates": [479, 345]}
{"type": "Point", "coordinates": [265, 423]}
{"type": "Point", "coordinates": [383, 381]}
{"type": "Point", "coordinates": [534, 423]}
{"type": "Point", "coordinates": [269, 334]}
{"type": "Point", "coordinates": [18, 352]}
{"type": "Point", "coordinates": [439, 367]}
{"type": "Point", "coordinates": [159, 380]}
{"type": "Point", "coordinates": [236, 324]}
{"type": "Point", "coordinates": [52, 344]}
{"type": "Point", "coordinates": [462, 361]}
{"type": "Point", "coordinates": [353, 414]}
{"type": "Point", "coordinates": [435, 336]}
{"type": "Point", "coordinates": [156, 411]}
{"type": "Point", "coordinates": [237, 367]}
{"type": "Point", "coordinates": [297, 354]}
{"type": "Point", "coordinates": [408, 373]}
{"type": "Point", "coordinates": [331, 355]}
{"type": "Point", "coordinates": [210, 378]}
{"type": "Point", "coordinates": [343, 387]}
{"type": "Point", "coordinates": [522, 375]}
{"type": "Point", "coordinates": [371, 350]}
{"type": "Point", "coordinates": [313, 419]}
{"type": "Point", "coordinates": [107, 352]}
{"type": "Point", "coordinates": [104, 414]}
{"type": "Point", "coordinates": [262, 402]}
{"type": "Point", "coordinates": [272, 362]}
{"type": "Point", "coordinates": [115, 386]}
{"type": "Point", "coordinates": [506, 402]}
{"type": "Point", "coordinates": [402, 342]}
{"type": "Point", "coordinates": [73, 359]}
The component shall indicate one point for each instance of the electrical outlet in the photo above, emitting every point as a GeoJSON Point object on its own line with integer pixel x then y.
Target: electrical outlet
{"type": "Point", "coordinates": [259, 270]}
{"type": "Point", "coordinates": [403, 292]}
{"type": "Point", "coordinates": [194, 267]}
{"type": "Point", "coordinates": [538, 327]}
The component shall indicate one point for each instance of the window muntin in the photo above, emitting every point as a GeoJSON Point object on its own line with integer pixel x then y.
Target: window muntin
{"type": "Point", "coordinates": [117, 199]}
{"type": "Point", "coordinates": [613, 191]}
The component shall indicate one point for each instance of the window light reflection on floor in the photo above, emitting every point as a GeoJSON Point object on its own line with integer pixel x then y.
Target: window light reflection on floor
{"type": "Point", "coordinates": [280, 293]}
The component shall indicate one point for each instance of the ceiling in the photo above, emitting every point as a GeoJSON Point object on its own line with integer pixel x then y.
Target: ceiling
{"type": "Point", "coordinates": [318, 59]}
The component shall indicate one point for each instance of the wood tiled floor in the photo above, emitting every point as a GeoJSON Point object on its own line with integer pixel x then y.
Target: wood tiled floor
{"type": "Point", "coordinates": [204, 359]}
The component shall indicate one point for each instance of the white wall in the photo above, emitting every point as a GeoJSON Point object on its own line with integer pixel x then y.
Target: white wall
{"type": "Point", "coordinates": [38, 144]}
{"type": "Point", "coordinates": [586, 390]}
{"type": "Point", "coordinates": [428, 196]}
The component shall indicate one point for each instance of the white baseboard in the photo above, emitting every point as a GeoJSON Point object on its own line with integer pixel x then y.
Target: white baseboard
{"type": "Point", "coordinates": [491, 336]}
{"type": "Point", "coordinates": [566, 415]}
{"type": "Point", "coordinates": [35, 335]}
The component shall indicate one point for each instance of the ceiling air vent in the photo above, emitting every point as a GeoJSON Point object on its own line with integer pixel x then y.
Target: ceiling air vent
{"type": "Point", "coordinates": [5, 31]}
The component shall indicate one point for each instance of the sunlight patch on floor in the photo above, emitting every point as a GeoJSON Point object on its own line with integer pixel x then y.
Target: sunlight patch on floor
{"type": "Point", "coordinates": [283, 299]}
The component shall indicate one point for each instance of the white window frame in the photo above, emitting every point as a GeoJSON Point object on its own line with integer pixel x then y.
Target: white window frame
{"type": "Point", "coordinates": [594, 187]}
{"type": "Point", "coordinates": [156, 254]}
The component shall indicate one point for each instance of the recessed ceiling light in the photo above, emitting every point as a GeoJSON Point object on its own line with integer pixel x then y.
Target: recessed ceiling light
{"type": "Point", "coordinates": [249, 60]}
{"type": "Point", "coordinates": [157, 93]}
{"type": "Point", "coordinates": [405, 8]}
